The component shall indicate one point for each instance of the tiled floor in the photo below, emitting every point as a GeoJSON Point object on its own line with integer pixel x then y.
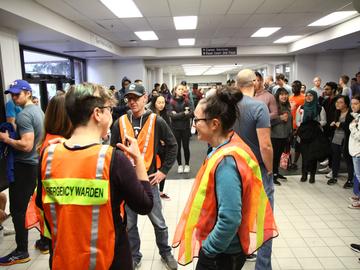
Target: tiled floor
{"type": "Point", "coordinates": [315, 226]}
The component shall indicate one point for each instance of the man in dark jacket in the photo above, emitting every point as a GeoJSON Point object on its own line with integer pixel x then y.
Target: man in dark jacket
{"type": "Point", "coordinates": [121, 107]}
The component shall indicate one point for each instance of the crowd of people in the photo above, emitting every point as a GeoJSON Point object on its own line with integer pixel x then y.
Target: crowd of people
{"type": "Point", "coordinates": [100, 156]}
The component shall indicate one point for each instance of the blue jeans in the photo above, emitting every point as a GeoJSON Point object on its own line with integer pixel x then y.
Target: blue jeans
{"type": "Point", "coordinates": [157, 219]}
{"type": "Point", "coordinates": [263, 259]}
{"type": "Point", "coordinates": [356, 161]}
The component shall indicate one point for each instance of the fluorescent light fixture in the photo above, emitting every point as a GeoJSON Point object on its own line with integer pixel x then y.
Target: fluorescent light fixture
{"type": "Point", "coordinates": [186, 41]}
{"type": "Point", "coordinates": [287, 39]}
{"type": "Point", "coordinates": [333, 18]}
{"type": "Point", "coordinates": [215, 70]}
{"type": "Point", "coordinates": [147, 35]}
{"type": "Point", "coordinates": [199, 69]}
{"type": "Point", "coordinates": [265, 31]}
{"type": "Point", "coordinates": [123, 8]}
{"type": "Point", "coordinates": [195, 69]}
{"type": "Point", "coordinates": [185, 22]}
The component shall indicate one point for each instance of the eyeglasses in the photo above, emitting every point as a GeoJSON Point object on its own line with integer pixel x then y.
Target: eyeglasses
{"type": "Point", "coordinates": [107, 107]}
{"type": "Point", "coordinates": [196, 120]}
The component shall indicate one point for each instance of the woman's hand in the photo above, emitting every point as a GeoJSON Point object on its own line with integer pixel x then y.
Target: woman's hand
{"type": "Point", "coordinates": [131, 147]}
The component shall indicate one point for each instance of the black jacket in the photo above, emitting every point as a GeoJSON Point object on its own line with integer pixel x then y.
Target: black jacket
{"type": "Point", "coordinates": [180, 120]}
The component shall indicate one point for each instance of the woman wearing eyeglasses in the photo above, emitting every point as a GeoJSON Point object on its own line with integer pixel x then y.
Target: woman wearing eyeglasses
{"type": "Point", "coordinates": [220, 221]}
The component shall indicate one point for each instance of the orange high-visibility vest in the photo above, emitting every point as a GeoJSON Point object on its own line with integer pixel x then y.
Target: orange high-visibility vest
{"type": "Point", "coordinates": [77, 205]}
{"type": "Point", "coordinates": [200, 214]}
{"type": "Point", "coordinates": [145, 138]}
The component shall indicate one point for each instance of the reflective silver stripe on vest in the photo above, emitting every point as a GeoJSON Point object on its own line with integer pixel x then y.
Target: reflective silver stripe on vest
{"type": "Point", "coordinates": [96, 210]}
{"type": "Point", "coordinates": [51, 150]}
{"type": "Point", "coordinates": [152, 117]}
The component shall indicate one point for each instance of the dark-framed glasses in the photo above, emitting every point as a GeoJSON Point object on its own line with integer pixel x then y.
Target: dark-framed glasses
{"type": "Point", "coordinates": [106, 107]}
{"type": "Point", "coordinates": [196, 120]}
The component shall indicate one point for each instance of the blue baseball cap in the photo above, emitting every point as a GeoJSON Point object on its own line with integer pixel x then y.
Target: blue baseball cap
{"type": "Point", "coordinates": [17, 86]}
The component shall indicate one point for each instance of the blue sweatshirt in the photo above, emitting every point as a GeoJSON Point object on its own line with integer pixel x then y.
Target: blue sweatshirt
{"type": "Point", "coordinates": [223, 238]}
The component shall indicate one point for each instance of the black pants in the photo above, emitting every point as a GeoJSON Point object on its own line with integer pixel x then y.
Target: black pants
{"type": "Point", "coordinates": [336, 151]}
{"type": "Point", "coordinates": [20, 192]}
{"type": "Point", "coordinates": [278, 147]}
{"type": "Point", "coordinates": [183, 136]}
{"type": "Point", "coordinates": [161, 185]}
{"type": "Point", "coordinates": [308, 163]}
{"type": "Point", "coordinates": [221, 262]}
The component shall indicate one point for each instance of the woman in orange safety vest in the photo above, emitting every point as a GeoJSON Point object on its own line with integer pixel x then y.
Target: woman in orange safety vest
{"type": "Point", "coordinates": [228, 214]}
{"type": "Point", "coordinates": [84, 186]}
{"type": "Point", "coordinates": [57, 125]}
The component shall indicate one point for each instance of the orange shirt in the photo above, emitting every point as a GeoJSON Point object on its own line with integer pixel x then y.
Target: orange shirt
{"type": "Point", "coordinates": [295, 103]}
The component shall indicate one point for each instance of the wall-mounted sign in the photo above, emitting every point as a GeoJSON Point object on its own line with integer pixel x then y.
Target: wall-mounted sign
{"type": "Point", "coordinates": [219, 51]}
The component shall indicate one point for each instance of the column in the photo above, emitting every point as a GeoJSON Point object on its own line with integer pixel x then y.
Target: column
{"type": "Point", "coordinates": [159, 77]}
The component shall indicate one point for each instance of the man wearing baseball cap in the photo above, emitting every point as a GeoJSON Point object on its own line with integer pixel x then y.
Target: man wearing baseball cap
{"type": "Point", "coordinates": [29, 127]}
{"type": "Point", "coordinates": [150, 131]}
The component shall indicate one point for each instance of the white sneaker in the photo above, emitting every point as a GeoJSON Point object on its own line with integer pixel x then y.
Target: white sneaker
{"type": "Point", "coordinates": [180, 169]}
{"type": "Point", "coordinates": [325, 169]}
{"type": "Point", "coordinates": [186, 169]}
{"type": "Point", "coordinates": [325, 162]}
{"type": "Point", "coordinates": [329, 175]}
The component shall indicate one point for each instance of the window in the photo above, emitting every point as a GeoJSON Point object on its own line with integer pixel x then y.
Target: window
{"type": "Point", "coordinates": [40, 63]}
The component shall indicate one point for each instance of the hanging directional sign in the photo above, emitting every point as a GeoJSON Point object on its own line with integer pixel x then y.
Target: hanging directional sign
{"type": "Point", "coordinates": [219, 51]}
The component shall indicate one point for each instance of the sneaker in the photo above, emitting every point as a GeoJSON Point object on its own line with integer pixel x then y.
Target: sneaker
{"type": "Point", "coordinates": [136, 265]}
{"type": "Point", "coordinates": [332, 181]}
{"type": "Point", "coordinates": [251, 258]}
{"type": "Point", "coordinates": [348, 184]}
{"type": "Point", "coordinates": [15, 257]}
{"type": "Point", "coordinates": [180, 169]}
{"type": "Point", "coordinates": [164, 196]}
{"type": "Point", "coordinates": [354, 199]}
{"type": "Point", "coordinates": [355, 247]}
{"type": "Point", "coordinates": [169, 262]}
{"type": "Point", "coordinates": [42, 246]}
{"type": "Point", "coordinates": [324, 163]}
{"type": "Point", "coordinates": [325, 169]}
{"type": "Point", "coordinates": [281, 177]}
{"type": "Point", "coordinates": [329, 175]}
{"type": "Point", "coordinates": [276, 182]}
{"type": "Point", "coordinates": [354, 205]}
{"type": "Point", "coordinates": [186, 169]}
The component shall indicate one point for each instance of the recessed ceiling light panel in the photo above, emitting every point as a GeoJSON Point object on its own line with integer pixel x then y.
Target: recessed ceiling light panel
{"type": "Point", "coordinates": [333, 18]}
{"type": "Point", "coordinates": [123, 8]}
{"type": "Point", "coordinates": [185, 22]}
{"type": "Point", "coordinates": [265, 31]}
{"type": "Point", "coordinates": [147, 35]}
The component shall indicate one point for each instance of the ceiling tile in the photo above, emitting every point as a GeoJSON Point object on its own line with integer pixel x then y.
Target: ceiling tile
{"type": "Point", "coordinates": [166, 34]}
{"type": "Point", "coordinates": [62, 9]}
{"type": "Point", "coordinates": [125, 36]}
{"type": "Point", "coordinates": [214, 7]}
{"type": "Point", "coordinates": [153, 8]}
{"type": "Point", "coordinates": [91, 26]}
{"type": "Point", "coordinates": [93, 9]}
{"type": "Point", "coordinates": [324, 6]}
{"type": "Point", "coordinates": [294, 19]}
{"type": "Point", "coordinates": [244, 7]}
{"type": "Point", "coordinates": [205, 33]}
{"type": "Point", "coordinates": [225, 32]}
{"type": "Point", "coordinates": [186, 33]}
{"type": "Point", "coordinates": [245, 32]}
{"type": "Point", "coordinates": [235, 20]}
{"type": "Point", "coordinates": [113, 25]}
{"type": "Point", "coordinates": [219, 41]}
{"type": "Point", "coordinates": [210, 22]}
{"type": "Point", "coordinates": [184, 7]}
{"type": "Point", "coordinates": [161, 23]}
{"type": "Point", "coordinates": [137, 24]}
{"type": "Point", "coordinates": [260, 20]}
{"type": "Point", "coordinates": [274, 6]}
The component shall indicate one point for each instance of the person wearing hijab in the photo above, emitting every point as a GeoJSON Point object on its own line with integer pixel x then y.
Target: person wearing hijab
{"type": "Point", "coordinates": [309, 118]}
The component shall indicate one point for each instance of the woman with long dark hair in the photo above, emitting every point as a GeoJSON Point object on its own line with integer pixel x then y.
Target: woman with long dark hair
{"type": "Point", "coordinates": [180, 114]}
{"type": "Point", "coordinates": [340, 141]}
{"type": "Point", "coordinates": [281, 129]}
{"type": "Point", "coordinates": [158, 106]}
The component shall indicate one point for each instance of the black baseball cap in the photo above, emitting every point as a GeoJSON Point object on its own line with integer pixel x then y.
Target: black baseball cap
{"type": "Point", "coordinates": [136, 89]}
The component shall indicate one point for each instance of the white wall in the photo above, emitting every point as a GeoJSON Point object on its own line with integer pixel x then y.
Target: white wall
{"type": "Point", "coordinates": [329, 66]}
{"type": "Point", "coordinates": [111, 72]}
{"type": "Point", "coordinates": [203, 79]}
{"type": "Point", "coordinates": [10, 63]}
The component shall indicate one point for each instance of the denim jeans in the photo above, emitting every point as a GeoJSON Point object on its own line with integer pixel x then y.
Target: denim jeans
{"type": "Point", "coordinates": [356, 161]}
{"type": "Point", "coordinates": [157, 219]}
{"type": "Point", "coordinates": [263, 259]}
